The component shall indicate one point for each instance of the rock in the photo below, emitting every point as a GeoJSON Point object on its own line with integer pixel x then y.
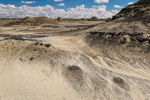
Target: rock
{"type": "Point", "coordinates": [21, 59]}
{"type": "Point", "coordinates": [121, 83]}
{"type": "Point", "coordinates": [74, 75]}
{"type": "Point", "coordinates": [118, 80]}
{"type": "Point", "coordinates": [74, 68]}
{"type": "Point", "coordinates": [36, 43]}
{"type": "Point", "coordinates": [34, 49]}
{"type": "Point", "coordinates": [41, 44]}
{"type": "Point", "coordinates": [31, 58]}
{"type": "Point", "coordinates": [47, 45]}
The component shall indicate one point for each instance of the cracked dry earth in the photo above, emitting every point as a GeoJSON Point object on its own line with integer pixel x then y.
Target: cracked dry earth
{"type": "Point", "coordinates": [72, 63]}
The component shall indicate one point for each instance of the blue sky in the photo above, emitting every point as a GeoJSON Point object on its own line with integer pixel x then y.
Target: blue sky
{"type": "Point", "coordinates": [108, 7]}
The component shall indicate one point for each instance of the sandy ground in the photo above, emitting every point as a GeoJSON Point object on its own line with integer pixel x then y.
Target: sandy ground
{"type": "Point", "coordinates": [62, 66]}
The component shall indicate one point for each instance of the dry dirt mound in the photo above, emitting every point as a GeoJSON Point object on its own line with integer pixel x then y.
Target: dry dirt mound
{"type": "Point", "coordinates": [138, 11]}
{"type": "Point", "coordinates": [33, 21]}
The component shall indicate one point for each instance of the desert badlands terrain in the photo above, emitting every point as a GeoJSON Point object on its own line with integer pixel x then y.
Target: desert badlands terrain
{"type": "Point", "coordinates": [77, 60]}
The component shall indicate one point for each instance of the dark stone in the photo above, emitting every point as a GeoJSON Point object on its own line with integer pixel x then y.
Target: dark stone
{"type": "Point", "coordinates": [94, 32]}
{"type": "Point", "coordinates": [47, 45]}
{"type": "Point", "coordinates": [36, 43]}
{"type": "Point", "coordinates": [41, 44]}
{"type": "Point", "coordinates": [74, 75]}
{"type": "Point", "coordinates": [141, 40]}
{"type": "Point", "coordinates": [31, 58]}
{"type": "Point", "coordinates": [118, 80]}
{"type": "Point", "coordinates": [74, 68]}
{"type": "Point", "coordinates": [20, 59]}
{"type": "Point", "coordinates": [34, 49]}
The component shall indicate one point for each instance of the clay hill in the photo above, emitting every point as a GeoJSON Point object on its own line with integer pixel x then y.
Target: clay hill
{"type": "Point", "coordinates": [33, 21]}
{"type": "Point", "coordinates": [137, 11]}
{"type": "Point", "coordinates": [130, 28]}
{"type": "Point", "coordinates": [134, 18]}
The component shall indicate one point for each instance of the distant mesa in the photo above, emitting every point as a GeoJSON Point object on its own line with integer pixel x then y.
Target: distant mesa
{"type": "Point", "coordinates": [137, 11]}
{"type": "Point", "coordinates": [33, 21]}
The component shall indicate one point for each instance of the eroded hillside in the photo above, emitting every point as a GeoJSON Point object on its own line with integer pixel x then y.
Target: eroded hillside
{"type": "Point", "coordinates": [74, 63]}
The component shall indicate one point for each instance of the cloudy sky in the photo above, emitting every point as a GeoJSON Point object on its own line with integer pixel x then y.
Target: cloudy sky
{"type": "Point", "coordinates": [62, 8]}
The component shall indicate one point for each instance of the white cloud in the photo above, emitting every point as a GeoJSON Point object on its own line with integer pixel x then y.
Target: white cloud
{"type": "Point", "coordinates": [7, 6]}
{"type": "Point", "coordinates": [58, 0]}
{"type": "Point", "coordinates": [102, 8]}
{"type": "Point", "coordinates": [101, 1]}
{"type": "Point", "coordinates": [94, 6]}
{"type": "Point", "coordinates": [130, 3]}
{"type": "Point", "coordinates": [28, 2]}
{"type": "Point", "coordinates": [114, 12]}
{"type": "Point", "coordinates": [49, 11]}
{"type": "Point", "coordinates": [61, 4]}
{"type": "Point", "coordinates": [117, 6]}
